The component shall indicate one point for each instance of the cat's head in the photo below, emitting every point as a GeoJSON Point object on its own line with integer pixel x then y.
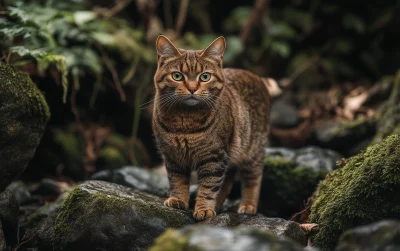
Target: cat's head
{"type": "Point", "coordinates": [189, 78]}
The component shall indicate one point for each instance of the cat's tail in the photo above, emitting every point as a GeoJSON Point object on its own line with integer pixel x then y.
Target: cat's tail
{"type": "Point", "coordinates": [274, 87]}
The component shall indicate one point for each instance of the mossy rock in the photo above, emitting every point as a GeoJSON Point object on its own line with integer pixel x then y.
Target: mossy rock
{"type": "Point", "coordinates": [365, 190]}
{"type": "Point", "coordinates": [2, 238]}
{"type": "Point", "coordinates": [381, 235]}
{"type": "Point", "coordinates": [389, 114]}
{"type": "Point", "coordinates": [208, 238]}
{"type": "Point", "coordinates": [23, 117]}
{"type": "Point", "coordinates": [276, 226]}
{"type": "Point", "coordinates": [98, 215]}
{"type": "Point", "coordinates": [9, 212]}
{"type": "Point", "coordinates": [290, 176]}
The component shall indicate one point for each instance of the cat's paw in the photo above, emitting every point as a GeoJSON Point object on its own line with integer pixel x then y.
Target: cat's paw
{"type": "Point", "coordinates": [247, 209]}
{"type": "Point", "coordinates": [176, 203]}
{"type": "Point", "coordinates": [203, 214]}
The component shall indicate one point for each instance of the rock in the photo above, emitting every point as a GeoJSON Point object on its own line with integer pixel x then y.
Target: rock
{"type": "Point", "coordinates": [38, 228]}
{"type": "Point", "coordinates": [284, 114]}
{"type": "Point", "coordinates": [315, 158]}
{"type": "Point", "coordinates": [101, 215]}
{"type": "Point", "coordinates": [343, 136]}
{"type": "Point", "coordinates": [276, 226]}
{"type": "Point", "coordinates": [9, 211]}
{"type": "Point", "coordinates": [24, 114]}
{"type": "Point", "coordinates": [364, 190]}
{"type": "Point", "coordinates": [290, 177]}
{"type": "Point", "coordinates": [138, 178]}
{"type": "Point", "coordinates": [209, 238]}
{"type": "Point", "coordinates": [2, 238]}
{"type": "Point", "coordinates": [381, 235]}
{"type": "Point", "coordinates": [388, 117]}
{"type": "Point", "coordinates": [20, 191]}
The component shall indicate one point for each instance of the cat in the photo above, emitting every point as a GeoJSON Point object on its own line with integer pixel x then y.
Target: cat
{"type": "Point", "coordinates": [211, 120]}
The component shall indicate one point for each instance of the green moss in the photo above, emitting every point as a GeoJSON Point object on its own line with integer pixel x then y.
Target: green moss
{"type": "Point", "coordinates": [72, 148]}
{"type": "Point", "coordinates": [361, 192]}
{"type": "Point", "coordinates": [170, 240]}
{"type": "Point", "coordinates": [111, 158]}
{"type": "Point", "coordinates": [286, 186]}
{"type": "Point", "coordinates": [389, 114]}
{"type": "Point", "coordinates": [83, 207]}
{"type": "Point", "coordinates": [24, 114]}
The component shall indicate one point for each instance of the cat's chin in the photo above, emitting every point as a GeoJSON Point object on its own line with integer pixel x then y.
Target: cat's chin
{"type": "Point", "coordinates": [191, 101]}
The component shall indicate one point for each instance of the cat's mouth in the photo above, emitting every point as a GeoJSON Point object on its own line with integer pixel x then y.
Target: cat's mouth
{"type": "Point", "coordinates": [191, 101]}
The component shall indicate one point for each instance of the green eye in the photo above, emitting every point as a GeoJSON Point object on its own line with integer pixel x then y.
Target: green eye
{"type": "Point", "coordinates": [205, 76]}
{"type": "Point", "coordinates": [177, 76]}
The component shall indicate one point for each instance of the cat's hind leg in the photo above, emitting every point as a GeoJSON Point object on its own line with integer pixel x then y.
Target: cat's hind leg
{"type": "Point", "coordinates": [226, 188]}
{"type": "Point", "coordinates": [250, 178]}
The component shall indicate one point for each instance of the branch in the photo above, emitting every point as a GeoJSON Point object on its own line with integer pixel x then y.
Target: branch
{"type": "Point", "coordinates": [114, 10]}
{"type": "Point", "coordinates": [254, 18]}
{"type": "Point", "coordinates": [181, 17]}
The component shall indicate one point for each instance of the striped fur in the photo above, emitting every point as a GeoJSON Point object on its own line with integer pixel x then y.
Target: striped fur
{"type": "Point", "coordinates": [223, 130]}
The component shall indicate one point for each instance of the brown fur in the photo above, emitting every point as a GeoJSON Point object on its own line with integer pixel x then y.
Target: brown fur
{"type": "Point", "coordinates": [223, 130]}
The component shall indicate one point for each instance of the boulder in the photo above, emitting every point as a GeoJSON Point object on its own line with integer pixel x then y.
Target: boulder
{"type": "Point", "coordinates": [9, 212]}
{"type": "Point", "coordinates": [291, 176]}
{"type": "Point", "coordinates": [381, 235]}
{"type": "Point", "coordinates": [20, 191]}
{"type": "Point", "coordinates": [37, 230]}
{"type": "Point", "coordinates": [364, 190]}
{"type": "Point", "coordinates": [24, 114]}
{"type": "Point", "coordinates": [276, 226]}
{"type": "Point", "coordinates": [101, 215]}
{"type": "Point", "coordinates": [139, 178]}
{"type": "Point", "coordinates": [284, 114]}
{"type": "Point", "coordinates": [209, 238]}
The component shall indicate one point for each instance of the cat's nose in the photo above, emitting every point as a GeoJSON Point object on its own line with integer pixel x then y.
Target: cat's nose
{"type": "Point", "coordinates": [192, 86]}
{"type": "Point", "coordinates": [192, 89]}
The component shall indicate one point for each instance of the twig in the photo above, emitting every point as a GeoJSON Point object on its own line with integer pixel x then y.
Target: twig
{"type": "Point", "coordinates": [117, 8]}
{"type": "Point", "coordinates": [8, 57]}
{"type": "Point", "coordinates": [183, 7]}
{"type": "Point", "coordinates": [254, 18]}
{"type": "Point", "coordinates": [114, 73]}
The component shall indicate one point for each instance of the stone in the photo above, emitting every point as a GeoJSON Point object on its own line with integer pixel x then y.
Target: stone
{"type": "Point", "coordinates": [284, 114]}
{"type": "Point", "coordinates": [200, 237]}
{"type": "Point", "coordinates": [9, 212]}
{"type": "Point", "coordinates": [20, 191]}
{"type": "Point", "coordinates": [290, 177]}
{"type": "Point", "coordinates": [276, 226]}
{"type": "Point", "coordinates": [343, 136]}
{"type": "Point", "coordinates": [364, 190]}
{"type": "Point", "coordinates": [2, 238]}
{"type": "Point", "coordinates": [38, 227]}
{"type": "Point", "coordinates": [139, 178]}
{"type": "Point", "coordinates": [24, 114]}
{"type": "Point", "coordinates": [381, 235]}
{"type": "Point", "coordinates": [101, 215]}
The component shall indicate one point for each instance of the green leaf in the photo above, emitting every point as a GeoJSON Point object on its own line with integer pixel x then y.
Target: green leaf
{"type": "Point", "coordinates": [355, 23]}
{"type": "Point", "coordinates": [83, 17]}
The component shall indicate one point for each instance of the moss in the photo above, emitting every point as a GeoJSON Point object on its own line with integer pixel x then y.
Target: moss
{"type": "Point", "coordinates": [389, 114]}
{"type": "Point", "coordinates": [170, 240]}
{"type": "Point", "coordinates": [363, 191]}
{"type": "Point", "coordinates": [111, 158]}
{"type": "Point", "coordinates": [88, 204]}
{"type": "Point", "coordinates": [72, 148]}
{"type": "Point", "coordinates": [24, 114]}
{"type": "Point", "coordinates": [285, 186]}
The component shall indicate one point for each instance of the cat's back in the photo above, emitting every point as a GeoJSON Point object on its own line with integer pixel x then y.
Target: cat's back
{"type": "Point", "coordinates": [247, 88]}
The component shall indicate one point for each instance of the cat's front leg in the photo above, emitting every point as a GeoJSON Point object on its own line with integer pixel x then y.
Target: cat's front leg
{"type": "Point", "coordinates": [179, 181]}
{"type": "Point", "coordinates": [211, 174]}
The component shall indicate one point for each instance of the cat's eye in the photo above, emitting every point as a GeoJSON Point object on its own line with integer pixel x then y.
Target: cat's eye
{"type": "Point", "coordinates": [177, 76]}
{"type": "Point", "coordinates": [205, 76]}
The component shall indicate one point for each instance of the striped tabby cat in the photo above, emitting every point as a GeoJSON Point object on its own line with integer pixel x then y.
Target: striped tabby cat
{"type": "Point", "coordinates": [211, 120]}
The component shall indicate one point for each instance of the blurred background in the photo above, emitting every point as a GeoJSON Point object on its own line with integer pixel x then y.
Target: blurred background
{"type": "Point", "coordinates": [94, 61]}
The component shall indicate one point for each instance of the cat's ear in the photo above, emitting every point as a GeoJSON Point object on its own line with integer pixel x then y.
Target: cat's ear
{"type": "Point", "coordinates": [165, 48]}
{"type": "Point", "coordinates": [215, 49]}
